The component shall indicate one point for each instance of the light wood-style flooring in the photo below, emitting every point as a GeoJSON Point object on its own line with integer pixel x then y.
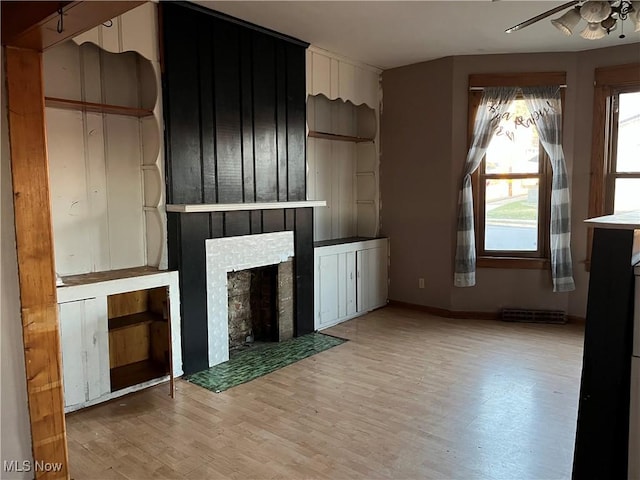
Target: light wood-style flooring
{"type": "Point", "coordinates": [411, 396]}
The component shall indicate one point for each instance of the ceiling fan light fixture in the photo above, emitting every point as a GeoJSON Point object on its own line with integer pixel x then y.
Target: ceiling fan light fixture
{"type": "Point", "coordinates": [595, 11]}
{"type": "Point", "coordinates": [567, 22]}
{"type": "Point", "coordinates": [609, 24]}
{"type": "Point", "coordinates": [602, 17]}
{"type": "Point", "coordinates": [593, 31]}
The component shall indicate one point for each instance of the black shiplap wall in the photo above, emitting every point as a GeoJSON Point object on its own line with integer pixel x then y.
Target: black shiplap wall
{"type": "Point", "coordinates": [234, 103]}
{"type": "Point", "coordinates": [235, 111]}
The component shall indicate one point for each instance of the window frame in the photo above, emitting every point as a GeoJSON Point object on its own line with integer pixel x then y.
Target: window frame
{"type": "Point", "coordinates": [612, 147]}
{"type": "Point", "coordinates": [608, 81]}
{"type": "Point", "coordinates": [539, 259]}
{"type": "Point", "coordinates": [544, 209]}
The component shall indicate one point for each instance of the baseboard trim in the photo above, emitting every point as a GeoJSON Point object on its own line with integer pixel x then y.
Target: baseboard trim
{"type": "Point", "coordinates": [443, 312]}
{"type": "Point", "coordinates": [576, 319]}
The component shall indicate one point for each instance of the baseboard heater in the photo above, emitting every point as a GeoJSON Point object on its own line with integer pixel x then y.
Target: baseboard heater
{"type": "Point", "coordinates": [533, 316]}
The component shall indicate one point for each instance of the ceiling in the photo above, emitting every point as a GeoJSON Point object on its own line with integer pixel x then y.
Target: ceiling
{"type": "Point", "coordinates": [389, 34]}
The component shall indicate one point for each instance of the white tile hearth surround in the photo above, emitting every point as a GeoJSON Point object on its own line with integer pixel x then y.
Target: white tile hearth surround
{"type": "Point", "coordinates": [231, 254]}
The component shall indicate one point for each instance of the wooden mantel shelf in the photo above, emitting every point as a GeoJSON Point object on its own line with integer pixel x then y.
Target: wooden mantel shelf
{"type": "Point", "coordinates": [232, 207]}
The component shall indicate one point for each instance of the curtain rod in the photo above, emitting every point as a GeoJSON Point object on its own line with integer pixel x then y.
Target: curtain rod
{"type": "Point", "coordinates": [475, 89]}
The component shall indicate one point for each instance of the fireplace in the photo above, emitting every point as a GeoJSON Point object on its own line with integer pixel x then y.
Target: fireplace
{"type": "Point", "coordinates": [226, 259]}
{"type": "Point", "coordinates": [260, 305]}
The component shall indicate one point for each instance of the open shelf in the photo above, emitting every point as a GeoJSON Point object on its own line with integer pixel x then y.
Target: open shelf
{"type": "Point", "coordinates": [135, 373]}
{"type": "Point", "coordinates": [96, 107]}
{"type": "Point", "coordinates": [134, 319]}
{"type": "Point", "coordinates": [340, 138]}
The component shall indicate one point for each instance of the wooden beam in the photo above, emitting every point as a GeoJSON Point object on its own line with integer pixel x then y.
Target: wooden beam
{"type": "Point", "coordinates": [18, 17]}
{"type": "Point", "coordinates": [43, 32]}
{"type": "Point", "coordinates": [36, 269]}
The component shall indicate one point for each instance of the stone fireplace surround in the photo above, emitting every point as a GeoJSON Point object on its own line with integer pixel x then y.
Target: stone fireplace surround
{"type": "Point", "coordinates": [224, 255]}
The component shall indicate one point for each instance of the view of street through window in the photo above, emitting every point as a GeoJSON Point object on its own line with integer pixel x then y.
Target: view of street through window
{"type": "Point", "coordinates": [511, 205]}
{"type": "Point", "coordinates": [627, 190]}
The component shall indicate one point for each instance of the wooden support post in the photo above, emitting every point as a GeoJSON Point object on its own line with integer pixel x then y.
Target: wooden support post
{"type": "Point", "coordinates": [34, 242]}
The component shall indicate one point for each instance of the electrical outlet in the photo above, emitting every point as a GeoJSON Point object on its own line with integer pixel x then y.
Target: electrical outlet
{"type": "Point", "coordinates": [421, 283]}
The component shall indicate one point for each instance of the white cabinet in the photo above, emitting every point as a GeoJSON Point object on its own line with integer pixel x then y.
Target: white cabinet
{"type": "Point", "coordinates": [350, 279]}
{"type": "Point", "coordinates": [120, 332]}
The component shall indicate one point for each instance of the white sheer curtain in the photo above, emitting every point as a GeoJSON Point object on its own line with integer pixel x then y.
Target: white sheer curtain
{"type": "Point", "coordinates": [545, 106]}
{"type": "Point", "coordinates": [495, 101]}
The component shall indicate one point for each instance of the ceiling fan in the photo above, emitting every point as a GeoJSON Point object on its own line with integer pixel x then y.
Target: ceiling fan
{"type": "Point", "coordinates": [601, 17]}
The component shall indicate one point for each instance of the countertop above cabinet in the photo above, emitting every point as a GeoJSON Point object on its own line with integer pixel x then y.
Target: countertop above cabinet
{"type": "Point", "coordinates": [341, 241]}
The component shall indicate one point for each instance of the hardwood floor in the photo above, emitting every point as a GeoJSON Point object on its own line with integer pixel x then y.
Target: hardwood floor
{"type": "Point", "coordinates": [410, 396]}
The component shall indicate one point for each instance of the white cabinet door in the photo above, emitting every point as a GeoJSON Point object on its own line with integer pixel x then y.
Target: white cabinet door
{"type": "Point", "coordinates": [328, 290]}
{"type": "Point", "coordinates": [372, 277]}
{"type": "Point", "coordinates": [85, 350]}
{"type": "Point", "coordinates": [346, 281]}
{"type": "Point", "coordinates": [378, 278]}
{"type": "Point", "coordinates": [336, 288]}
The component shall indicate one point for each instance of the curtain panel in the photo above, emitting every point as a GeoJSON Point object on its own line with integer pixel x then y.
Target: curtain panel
{"type": "Point", "coordinates": [545, 105]}
{"type": "Point", "coordinates": [495, 101]}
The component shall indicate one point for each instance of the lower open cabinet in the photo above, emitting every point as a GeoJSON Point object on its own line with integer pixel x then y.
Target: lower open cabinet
{"type": "Point", "coordinates": [120, 332]}
{"type": "Point", "coordinates": [138, 337]}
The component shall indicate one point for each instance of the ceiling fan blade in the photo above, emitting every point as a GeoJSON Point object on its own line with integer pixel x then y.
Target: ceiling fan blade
{"type": "Point", "coordinates": [537, 18]}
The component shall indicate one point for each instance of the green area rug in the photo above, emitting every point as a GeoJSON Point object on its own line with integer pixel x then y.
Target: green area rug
{"type": "Point", "coordinates": [256, 361]}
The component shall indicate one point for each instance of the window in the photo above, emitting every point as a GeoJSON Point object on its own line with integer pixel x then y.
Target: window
{"type": "Point", "coordinates": [615, 149]}
{"type": "Point", "coordinates": [508, 188]}
{"type": "Point", "coordinates": [623, 179]}
{"type": "Point", "coordinates": [513, 190]}
{"type": "Point", "coordinates": [512, 186]}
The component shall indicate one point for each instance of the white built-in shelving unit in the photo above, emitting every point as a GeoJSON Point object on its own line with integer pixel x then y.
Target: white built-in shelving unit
{"type": "Point", "coordinates": [342, 145]}
{"type": "Point", "coordinates": [343, 119]}
{"type": "Point", "coordinates": [119, 308]}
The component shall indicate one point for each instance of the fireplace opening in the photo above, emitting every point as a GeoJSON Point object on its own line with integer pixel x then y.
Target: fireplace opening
{"type": "Point", "coordinates": [260, 305]}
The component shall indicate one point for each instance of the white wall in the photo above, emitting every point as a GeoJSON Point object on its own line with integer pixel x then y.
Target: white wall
{"type": "Point", "coordinates": [16, 437]}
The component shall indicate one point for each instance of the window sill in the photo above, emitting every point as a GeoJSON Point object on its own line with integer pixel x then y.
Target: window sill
{"type": "Point", "coordinates": [513, 262]}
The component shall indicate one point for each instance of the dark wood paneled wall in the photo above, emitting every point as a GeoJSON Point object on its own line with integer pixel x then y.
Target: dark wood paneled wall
{"type": "Point", "coordinates": [235, 113]}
